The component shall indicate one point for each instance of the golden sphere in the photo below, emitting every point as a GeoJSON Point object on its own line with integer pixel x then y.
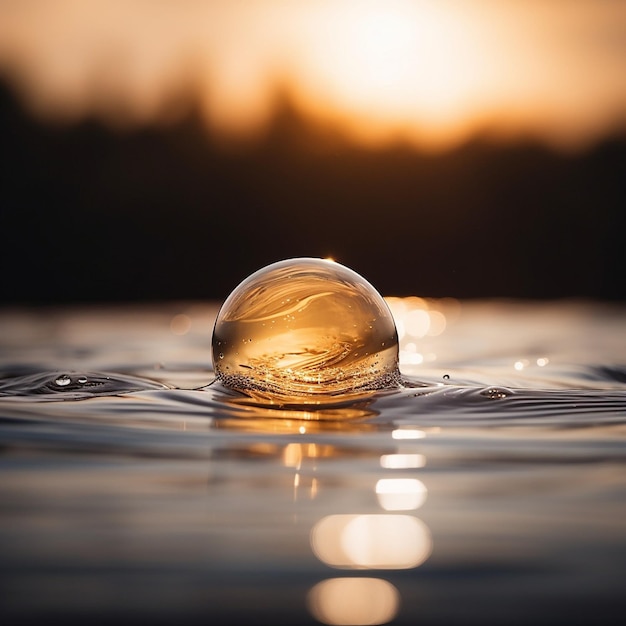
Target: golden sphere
{"type": "Point", "coordinates": [303, 327]}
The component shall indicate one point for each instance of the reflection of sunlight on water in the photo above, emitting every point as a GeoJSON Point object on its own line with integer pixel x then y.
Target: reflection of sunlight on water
{"type": "Point", "coordinates": [416, 318]}
{"type": "Point", "coordinates": [402, 461]}
{"type": "Point", "coordinates": [294, 453]}
{"type": "Point", "coordinates": [354, 601]}
{"type": "Point", "coordinates": [371, 541]}
{"type": "Point", "coordinates": [387, 541]}
{"type": "Point", "coordinates": [408, 433]}
{"type": "Point", "coordinates": [400, 494]}
{"type": "Point", "coordinates": [522, 364]}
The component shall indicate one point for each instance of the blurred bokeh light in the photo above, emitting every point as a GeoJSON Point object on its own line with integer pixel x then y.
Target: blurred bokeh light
{"type": "Point", "coordinates": [354, 601]}
{"type": "Point", "coordinates": [380, 541]}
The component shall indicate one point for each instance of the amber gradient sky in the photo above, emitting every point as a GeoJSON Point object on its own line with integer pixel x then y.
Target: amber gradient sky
{"type": "Point", "coordinates": [432, 72]}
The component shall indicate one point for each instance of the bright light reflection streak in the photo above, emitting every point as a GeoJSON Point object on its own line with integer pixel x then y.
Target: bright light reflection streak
{"type": "Point", "coordinates": [400, 494]}
{"type": "Point", "coordinates": [402, 461]}
{"type": "Point", "coordinates": [386, 541]}
{"type": "Point", "coordinates": [408, 433]}
{"type": "Point", "coordinates": [292, 455]}
{"type": "Point", "coordinates": [371, 541]}
{"type": "Point", "coordinates": [354, 601]}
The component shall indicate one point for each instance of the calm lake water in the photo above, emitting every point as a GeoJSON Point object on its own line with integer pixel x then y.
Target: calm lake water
{"type": "Point", "coordinates": [489, 489]}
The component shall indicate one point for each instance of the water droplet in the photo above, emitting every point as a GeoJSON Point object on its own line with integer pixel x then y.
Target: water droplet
{"type": "Point", "coordinates": [496, 393]}
{"type": "Point", "coordinates": [324, 318]}
{"type": "Point", "coordinates": [446, 376]}
{"type": "Point", "coordinates": [63, 381]}
{"type": "Point", "coordinates": [82, 380]}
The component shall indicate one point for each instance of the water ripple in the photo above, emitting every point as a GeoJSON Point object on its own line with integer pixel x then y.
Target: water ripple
{"type": "Point", "coordinates": [132, 400]}
{"type": "Point", "coordinates": [73, 385]}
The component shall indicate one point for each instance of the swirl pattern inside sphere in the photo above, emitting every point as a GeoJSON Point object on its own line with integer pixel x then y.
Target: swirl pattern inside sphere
{"type": "Point", "coordinates": [305, 326]}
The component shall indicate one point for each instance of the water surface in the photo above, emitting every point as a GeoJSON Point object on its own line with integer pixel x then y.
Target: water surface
{"type": "Point", "coordinates": [489, 488]}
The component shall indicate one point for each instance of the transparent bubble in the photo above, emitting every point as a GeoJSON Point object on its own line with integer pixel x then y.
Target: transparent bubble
{"type": "Point", "coordinates": [305, 327]}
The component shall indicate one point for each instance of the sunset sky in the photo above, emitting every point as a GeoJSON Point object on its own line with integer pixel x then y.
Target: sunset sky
{"type": "Point", "coordinates": [430, 72]}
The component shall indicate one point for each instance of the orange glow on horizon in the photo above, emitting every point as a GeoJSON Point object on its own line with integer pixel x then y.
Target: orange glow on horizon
{"type": "Point", "coordinates": [429, 72]}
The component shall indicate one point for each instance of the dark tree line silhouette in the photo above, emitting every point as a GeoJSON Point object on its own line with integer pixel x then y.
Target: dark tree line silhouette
{"type": "Point", "coordinates": [88, 214]}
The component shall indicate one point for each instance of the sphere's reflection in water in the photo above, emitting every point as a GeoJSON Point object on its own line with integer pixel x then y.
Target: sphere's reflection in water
{"type": "Point", "coordinates": [305, 327]}
{"type": "Point", "coordinates": [260, 408]}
